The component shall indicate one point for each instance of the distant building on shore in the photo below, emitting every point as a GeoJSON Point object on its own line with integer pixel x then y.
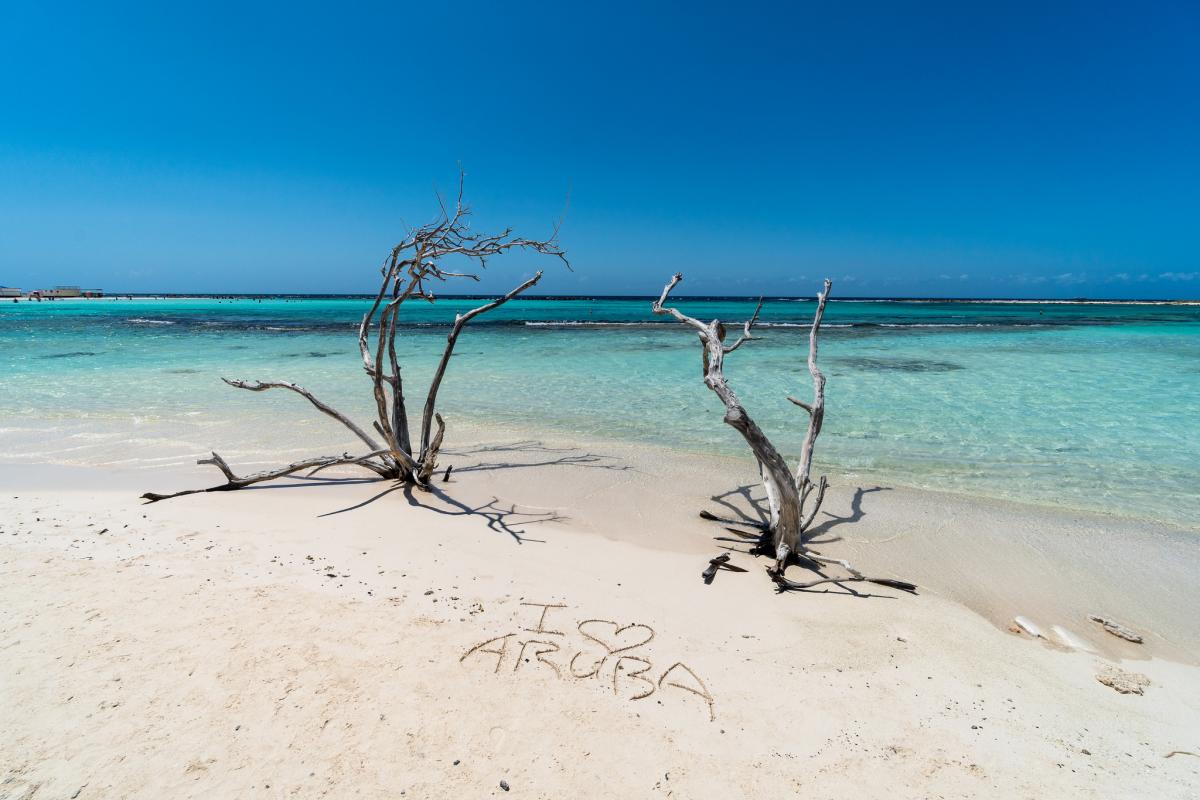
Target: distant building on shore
{"type": "Point", "coordinates": [58, 292]}
{"type": "Point", "coordinates": [63, 292]}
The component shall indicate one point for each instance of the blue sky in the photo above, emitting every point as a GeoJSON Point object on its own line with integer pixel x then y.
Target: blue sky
{"type": "Point", "coordinates": [956, 149]}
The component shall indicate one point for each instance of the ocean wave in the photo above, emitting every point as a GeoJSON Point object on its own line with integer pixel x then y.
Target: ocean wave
{"type": "Point", "coordinates": [763, 324]}
{"type": "Point", "coordinates": [944, 300]}
{"type": "Point", "coordinates": [962, 324]}
{"type": "Point", "coordinates": [862, 322]}
{"type": "Point", "coordinates": [580, 323]}
{"type": "Point", "coordinates": [570, 323]}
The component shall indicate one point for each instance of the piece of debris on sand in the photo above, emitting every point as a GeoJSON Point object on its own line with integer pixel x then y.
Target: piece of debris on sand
{"type": "Point", "coordinates": [1117, 629]}
{"type": "Point", "coordinates": [1124, 682]}
{"type": "Point", "coordinates": [1028, 626]}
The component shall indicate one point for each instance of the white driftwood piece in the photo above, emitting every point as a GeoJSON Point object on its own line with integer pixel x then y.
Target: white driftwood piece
{"type": "Point", "coordinates": [787, 494]}
{"type": "Point", "coordinates": [1117, 629]}
{"type": "Point", "coordinates": [411, 270]}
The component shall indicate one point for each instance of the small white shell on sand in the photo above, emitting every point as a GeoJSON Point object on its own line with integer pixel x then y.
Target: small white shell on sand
{"type": "Point", "coordinates": [1027, 625]}
{"type": "Point", "coordinates": [1071, 640]}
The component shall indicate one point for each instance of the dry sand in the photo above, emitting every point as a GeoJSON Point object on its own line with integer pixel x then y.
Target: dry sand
{"type": "Point", "coordinates": [315, 639]}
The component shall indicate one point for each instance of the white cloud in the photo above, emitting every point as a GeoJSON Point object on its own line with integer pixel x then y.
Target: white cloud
{"type": "Point", "coordinates": [1070, 278]}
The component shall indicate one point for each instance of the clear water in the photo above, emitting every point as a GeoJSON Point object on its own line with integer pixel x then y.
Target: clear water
{"type": "Point", "coordinates": [1087, 406]}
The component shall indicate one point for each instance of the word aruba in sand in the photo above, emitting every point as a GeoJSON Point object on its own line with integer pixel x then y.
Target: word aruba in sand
{"type": "Point", "coordinates": [605, 655]}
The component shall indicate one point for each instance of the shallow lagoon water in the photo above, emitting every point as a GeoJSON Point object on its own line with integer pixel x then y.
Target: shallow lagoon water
{"type": "Point", "coordinates": [1085, 406]}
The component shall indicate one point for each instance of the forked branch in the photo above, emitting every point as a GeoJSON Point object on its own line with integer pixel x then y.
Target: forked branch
{"type": "Point", "coordinates": [793, 499]}
{"type": "Point", "coordinates": [782, 495]}
{"type": "Point", "coordinates": [411, 271]}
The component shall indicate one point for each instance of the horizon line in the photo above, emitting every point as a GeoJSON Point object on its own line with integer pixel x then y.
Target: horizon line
{"type": "Point", "coordinates": [603, 296]}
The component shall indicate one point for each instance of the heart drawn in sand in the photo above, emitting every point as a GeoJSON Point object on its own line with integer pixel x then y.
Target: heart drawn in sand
{"type": "Point", "coordinates": [621, 639]}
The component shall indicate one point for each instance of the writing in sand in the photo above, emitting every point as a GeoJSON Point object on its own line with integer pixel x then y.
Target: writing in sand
{"type": "Point", "coordinates": [610, 653]}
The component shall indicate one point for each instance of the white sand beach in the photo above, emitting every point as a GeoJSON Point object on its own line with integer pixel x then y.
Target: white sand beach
{"type": "Point", "coordinates": [784, 401]}
{"type": "Point", "coordinates": [543, 626]}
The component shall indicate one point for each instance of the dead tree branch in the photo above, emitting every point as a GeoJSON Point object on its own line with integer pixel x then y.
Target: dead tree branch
{"type": "Point", "coordinates": [816, 410]}
{"type": "Point", "coordinates": [788, 494]}
{"type": "Point", "coordinates": [412, 270]}
{"type": "Point", "coordinates": [460, 320]}
{"type": "Point", "coordinates": [232, 481]}
{"type": "Point", "coordinates": [259, 386]}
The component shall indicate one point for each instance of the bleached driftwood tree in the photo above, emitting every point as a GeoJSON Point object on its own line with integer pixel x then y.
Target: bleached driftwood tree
{"type": "Point", "coordinates": [410, 272]}
{"type": "Point", "coordinates": [793, 498]}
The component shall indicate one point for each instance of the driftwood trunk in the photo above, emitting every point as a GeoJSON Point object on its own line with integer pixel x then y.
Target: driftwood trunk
{"type": "Point", "coordinates": [793, 499]}
{"type": "Point", "coordinates": [411, 270]}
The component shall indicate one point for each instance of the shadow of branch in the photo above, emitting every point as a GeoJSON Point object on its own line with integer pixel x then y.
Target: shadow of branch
{"type": "Point", "coordinates": [757, 506]}
{"type": "Point", "coordinates": [364, 503]}
{"type": "Point", "coordinates": [578, 459]}
{"type": "Point", "coordinates": [748, 508]}
{"type": "Point", "coordinates": [498, 517]}
{"type": "Point", "coordinates": [856, 514]}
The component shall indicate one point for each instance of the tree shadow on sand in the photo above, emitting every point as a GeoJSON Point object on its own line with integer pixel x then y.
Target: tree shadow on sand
{"type": "Point", "coordinates": [498, 516]}
{"type": "Point", "coordinates": [856, 514]}
{"type": "Point", "coordinates": [550, 457]}
{"type": "Point", "coordinates": [748, 509]}
{"type": "Point", "coordinates": [744, 506]}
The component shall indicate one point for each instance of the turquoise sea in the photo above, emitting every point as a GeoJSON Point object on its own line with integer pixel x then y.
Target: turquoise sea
{"type": "Point", "coordinates": [1091, 406]}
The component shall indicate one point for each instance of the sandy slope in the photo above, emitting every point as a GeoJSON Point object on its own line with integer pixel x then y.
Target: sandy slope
{"type": "Point", "coordinates": [245, 645]}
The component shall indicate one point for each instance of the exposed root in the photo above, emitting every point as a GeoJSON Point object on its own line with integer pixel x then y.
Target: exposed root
{"type": "Point", "coordinates": [785, 583]}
